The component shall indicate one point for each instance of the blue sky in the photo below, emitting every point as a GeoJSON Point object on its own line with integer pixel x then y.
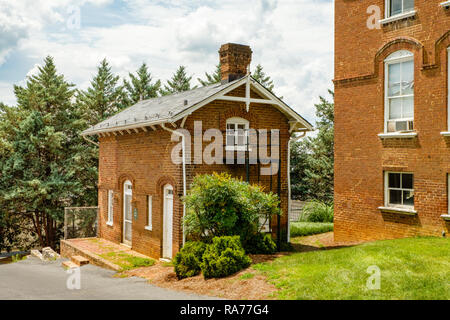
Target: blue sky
{"type": "Point", "coordinates": [292, 39]}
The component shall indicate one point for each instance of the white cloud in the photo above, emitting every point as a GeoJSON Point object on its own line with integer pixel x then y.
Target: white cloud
{"type": "Point", "coordinates": [292, 39]}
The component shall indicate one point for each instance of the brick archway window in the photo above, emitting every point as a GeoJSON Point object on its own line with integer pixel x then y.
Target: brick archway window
{"type": "Point", "coordinates": [399, 92]}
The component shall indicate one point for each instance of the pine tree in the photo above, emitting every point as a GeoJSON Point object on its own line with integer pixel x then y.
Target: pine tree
{"type": "Point", "coordinates": [312, 159]}
{"type": "Point", "coordinates": [47, 165]}
{"type": "Point", "coordinates": [180, 82]}
{"type": "Point", "coordinates": [104, 97]}
{"type": "Point", "coordinates": [214, 77]}
{"type": "Point", "coordinates": [140, 86]}
{"type": "Point", "coordinates": [262, 78]}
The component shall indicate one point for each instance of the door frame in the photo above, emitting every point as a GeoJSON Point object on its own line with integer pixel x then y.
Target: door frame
{"type": "Point", "coordinates": [125, 193]}
{"type": "Point", "coordinates": [167, 246]}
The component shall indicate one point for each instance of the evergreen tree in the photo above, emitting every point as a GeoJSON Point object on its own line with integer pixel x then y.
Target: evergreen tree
{"type": "Point", "coordinates": [312, 159]}
{"type": "Point", "coordinates": [44, 166]}
{"type": "Point", "coordinates": [140, 86]}
{"type": "Point", "coordinates": [214, 77]}
{"type": "Point", "coordinates": [180, 82]}
{"type": "Point", "coordinates": [262, 78]}
{"type": "Point", "coordinates": [104, 97]}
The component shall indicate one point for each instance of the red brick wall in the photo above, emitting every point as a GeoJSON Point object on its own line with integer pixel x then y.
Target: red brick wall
{"type": "Point", "coordinates": [361, 156]}
{"type": "Point", "coordinates": [145, 159]}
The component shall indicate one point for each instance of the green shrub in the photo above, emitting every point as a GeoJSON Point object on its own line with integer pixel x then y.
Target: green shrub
{"type": "Point", "coordinates": [316, 211]}
{"type": "Point", "coordinates": [187, 261]}
{"type": "Point", "coordinates": [219, 205]}
{"type": "Point", "coordinates": [299, 229]}
{"type": "Point", "coordinates": [259, 243]}
{"type": "Point", "coordinates": [223, 257]}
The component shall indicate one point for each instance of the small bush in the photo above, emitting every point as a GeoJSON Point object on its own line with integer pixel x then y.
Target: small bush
{"type": "Point", "coordinates": [259, 243]}
{"type": "Point", "coordinates": [187, 261]}
{"type": "Point", "coordinates": [219, 205]}
{"type": "Point", "coordinates": [223, 257]}
{"type": "Point", "coordinates": [316, 211]}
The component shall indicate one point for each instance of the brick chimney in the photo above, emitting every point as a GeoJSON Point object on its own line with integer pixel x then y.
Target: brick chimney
{"type": "Point", "coordinates": [234, 59]}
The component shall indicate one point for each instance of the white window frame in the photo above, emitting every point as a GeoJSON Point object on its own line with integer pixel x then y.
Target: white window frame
{"type": "Point", "coordinates": [110, 220]}
{"type": "Point", "coordinates": [149, 213]}
{"type": "Point", "coordinates": [237, 121]}
{"type": "Point", "coordinates": [388, 9]}
{"type": "Point", "coordinates": [394, 58]}
{"type": "Point", "coordinates": [387, 203]}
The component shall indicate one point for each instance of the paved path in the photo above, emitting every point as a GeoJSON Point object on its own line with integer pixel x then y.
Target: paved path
{"type": "Point", "coordinates": [35, 279]}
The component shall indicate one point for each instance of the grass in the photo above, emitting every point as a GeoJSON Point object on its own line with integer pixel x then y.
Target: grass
{"type": "Point", "coordinates": [299, 229]}
{"type": "Point", "coordinates": [415, 268]}
{"type": "Point", "coordinates": [127, 261]}
{"type": "Point", "coordinates": [247, 276]}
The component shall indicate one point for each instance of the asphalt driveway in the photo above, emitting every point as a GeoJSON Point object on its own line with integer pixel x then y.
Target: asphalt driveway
{"type": "Point", "coordinates": [35, 279]}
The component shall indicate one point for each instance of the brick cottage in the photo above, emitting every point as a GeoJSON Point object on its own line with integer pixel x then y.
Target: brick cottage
{"type": "Point", "coordinates": [140, 184]}
{"type": "Point", "coordinates": [392, 118]}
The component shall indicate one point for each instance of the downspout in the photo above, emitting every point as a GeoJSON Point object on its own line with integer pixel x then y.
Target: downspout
{"type": "Point", "coordinates": [291, 139]}
{"type": "Point", "coordinates": [183, 145]}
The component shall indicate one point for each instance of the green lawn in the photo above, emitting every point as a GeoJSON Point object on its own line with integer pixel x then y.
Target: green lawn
{"type": "Point", "coordinates": [299, 229]}
{"type": "Point", "coordinates": [416, 268]}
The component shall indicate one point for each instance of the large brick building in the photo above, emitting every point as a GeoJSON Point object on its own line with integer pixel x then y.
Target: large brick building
{"type": "Point", "coordinates": [392, 118]}
{"type": "Point", "coordinates": [140, 184]}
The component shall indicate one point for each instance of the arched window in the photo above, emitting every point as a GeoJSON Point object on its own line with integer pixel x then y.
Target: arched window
{"type": "Point", "coordinates": [237, 132]}
{"type": "Point", "coordinates": [399, 92]}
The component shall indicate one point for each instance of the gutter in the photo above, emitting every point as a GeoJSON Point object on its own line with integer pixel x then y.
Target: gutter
{"type": "Point", "coordinates": [292, 139]}
{"type": "Point", "coordinates": [183, 141]}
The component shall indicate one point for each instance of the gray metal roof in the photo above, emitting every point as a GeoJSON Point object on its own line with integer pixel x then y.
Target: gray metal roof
{"type": "Point", "coordinates": [165, 109]}
{"type": "Point", "coordinates": [158, 110]}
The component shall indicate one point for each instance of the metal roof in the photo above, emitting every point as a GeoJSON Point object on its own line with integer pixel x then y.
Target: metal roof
{"type": "Point", "coordinates": [161, 110]}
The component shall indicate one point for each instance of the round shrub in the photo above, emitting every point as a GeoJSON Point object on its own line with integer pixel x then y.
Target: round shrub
{"type": "Point", "coordinates": [187, 261]}
{"type": "Point", "coordinates": [220, 205]}
{"type": "Point", "coordinates": [223, 257]}
{"type": "Point", "coordinates": [259, 243]}
{"type": "Point", "coordinates": [316, 211]}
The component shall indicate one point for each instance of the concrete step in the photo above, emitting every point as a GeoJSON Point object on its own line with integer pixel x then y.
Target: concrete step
{"type": "Point", "coordinates": [79, 260]}
{"type": "Point", "coordinates": [69, 265]}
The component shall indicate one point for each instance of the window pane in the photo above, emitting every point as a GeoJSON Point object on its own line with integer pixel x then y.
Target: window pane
{"type": "Point", "coordinates": [230, 126]}
{"type": "Point", "coordinates": [395, 108]}
{"type": "Point", "coordinates": [407, 181]}
{"type": "Point", "coordinates": [395, 196]}
{"type": "Point", "coordinates": [408, 5]}
{"type": "Point", "coordinates": [241, 126]}
{"type": "Point", "coordinates": [408, 107]}
{"type": "Point", "coordinates": [396, 7]}
{"type": "Point", "coordinates": [408, 198]}
{"type": "Point", "coordinates": [128, 207]}
{"type": "Point", "coordinates": [394, 180]}
{"type": "Point", "coordinates": [394, 79]}
{"type": "Point", "coordinates": [407, 86]}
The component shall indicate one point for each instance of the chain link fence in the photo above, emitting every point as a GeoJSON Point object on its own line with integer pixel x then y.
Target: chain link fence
{"type": "Point", "coordinates": [80, 222]}
{"type": "Point", "coordinates": [296, 210]}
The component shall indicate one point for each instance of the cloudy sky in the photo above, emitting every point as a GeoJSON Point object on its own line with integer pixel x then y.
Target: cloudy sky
{"type": "Point", "coordinates": [291, 39]}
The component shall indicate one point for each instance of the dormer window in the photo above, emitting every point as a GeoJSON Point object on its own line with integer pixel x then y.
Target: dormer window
{"type": "Point", "coordinates": [237, 133]}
